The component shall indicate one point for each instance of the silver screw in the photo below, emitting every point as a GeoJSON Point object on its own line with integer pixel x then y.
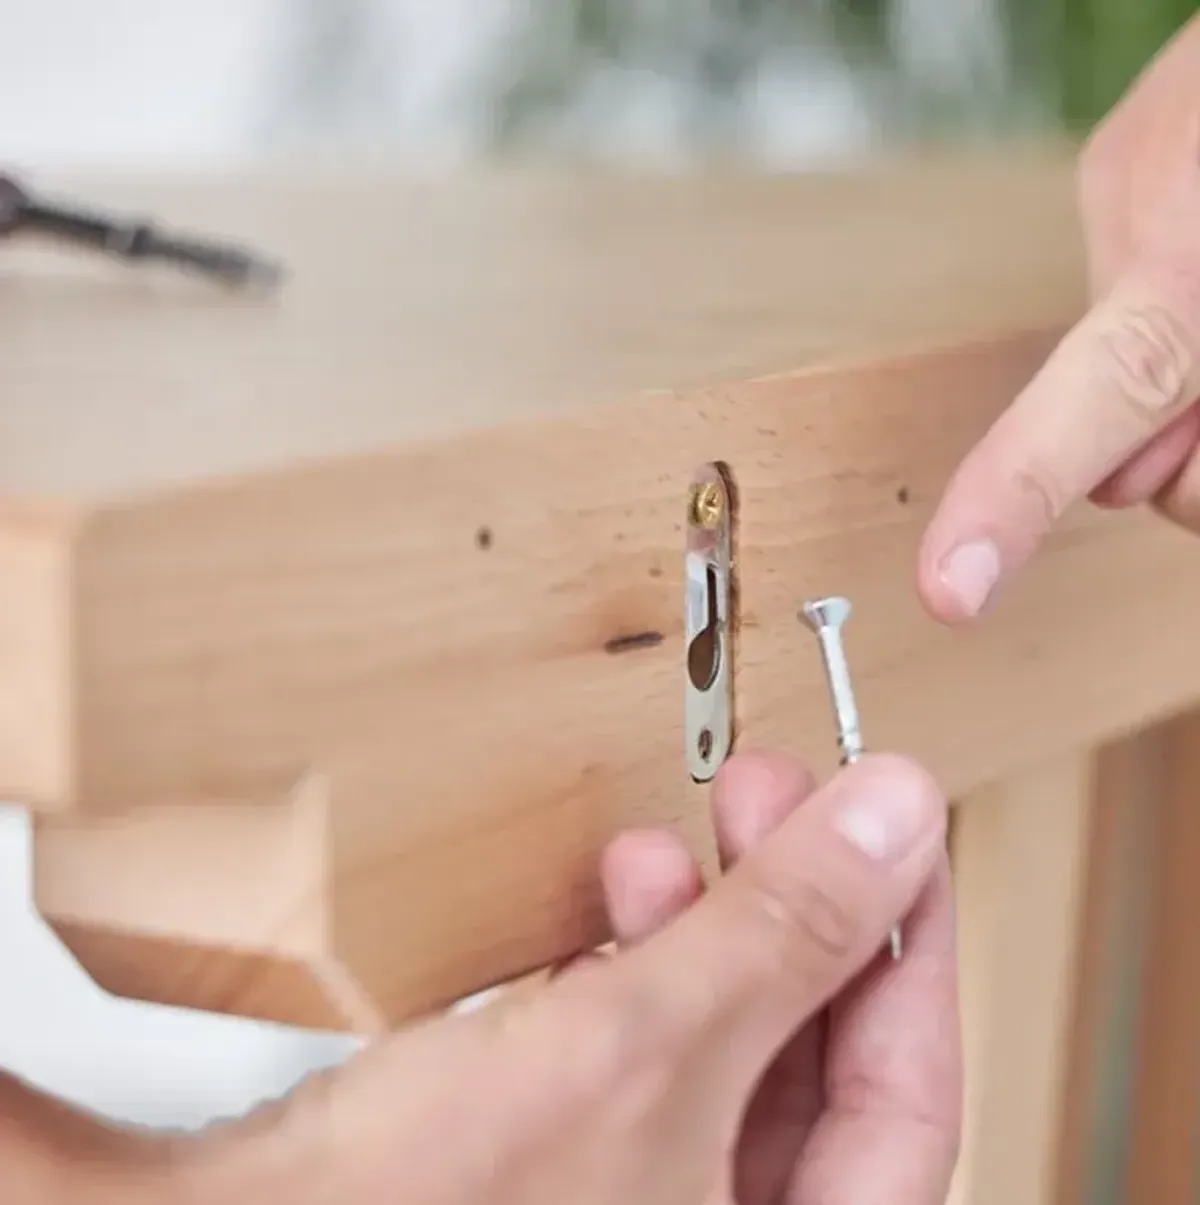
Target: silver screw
{"type": "Point", "coordinates": [826, 616]}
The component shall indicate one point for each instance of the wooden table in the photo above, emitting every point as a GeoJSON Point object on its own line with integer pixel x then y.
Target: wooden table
{"type": "Point", "coordinates": [339, 632]}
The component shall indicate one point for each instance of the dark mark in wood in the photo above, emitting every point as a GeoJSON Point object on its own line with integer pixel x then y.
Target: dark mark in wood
{"type": "Point", "coordinates": [902, 495]}
{"type": "Point", "coordinates": [639, 640]}
{"type": "Point", "coordinates": [483, 539]}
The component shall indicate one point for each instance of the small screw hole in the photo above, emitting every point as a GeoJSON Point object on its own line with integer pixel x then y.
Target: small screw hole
{"type": "Point", "coordinates": [704, 743]}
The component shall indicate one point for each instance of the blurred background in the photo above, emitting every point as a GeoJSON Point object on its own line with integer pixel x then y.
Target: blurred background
{"type": "Point", "coordinates": [779, 82]}
{"type": "Point", "coordinates": [783, 84]}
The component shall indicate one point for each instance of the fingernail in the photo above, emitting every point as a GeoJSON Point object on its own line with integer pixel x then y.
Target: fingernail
{"type": "Point", "coordinates": [970, 572]}
{"type": "Point", "coordinates": [887, 817]}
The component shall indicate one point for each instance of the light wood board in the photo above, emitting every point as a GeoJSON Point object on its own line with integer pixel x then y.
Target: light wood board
{"type": "Point", "coordinates": [1020, 863]}
{"type": "Point", "coordinates": [340, 739]}
{"type": "Point", "coordinates": [1166, 1089]}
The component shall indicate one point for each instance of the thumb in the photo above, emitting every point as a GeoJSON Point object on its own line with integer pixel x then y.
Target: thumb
{"type": "Point", "coordinates": [798, 918]}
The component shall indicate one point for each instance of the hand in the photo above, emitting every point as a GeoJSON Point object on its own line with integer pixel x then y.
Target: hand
{"type": "Point", "coordinates": [1113, 413]}
{"type": "Point", "coordinates": [698, 1064]}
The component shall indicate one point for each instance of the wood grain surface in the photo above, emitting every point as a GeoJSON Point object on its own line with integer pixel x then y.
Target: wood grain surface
{"type": "Point", "coordinates": [342, 737]}
{"type": "Point", "coordinates": [1020, 861]}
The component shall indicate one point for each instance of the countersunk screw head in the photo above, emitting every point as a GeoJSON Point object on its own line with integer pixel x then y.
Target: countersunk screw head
{"type": "Point", "coordinates": [825, 614]}
{"type": "Point", "coordinates": [707, 505]}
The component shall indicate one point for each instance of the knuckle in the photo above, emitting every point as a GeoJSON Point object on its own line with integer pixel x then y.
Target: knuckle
{"type": "Point", "coordinates": [811, 917]}
{"type": "Point", "coordinates": [1147, 360]}
{"type": "Point", "coordinates": [1046, 498]}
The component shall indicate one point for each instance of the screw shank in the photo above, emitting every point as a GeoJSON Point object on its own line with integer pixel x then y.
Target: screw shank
{"type": "Point", "coordinates": [841, 693]}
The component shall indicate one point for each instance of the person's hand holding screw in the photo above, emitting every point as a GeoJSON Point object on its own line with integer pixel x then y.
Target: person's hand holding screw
{"type": "Point", "coordinates": [749, 1043]}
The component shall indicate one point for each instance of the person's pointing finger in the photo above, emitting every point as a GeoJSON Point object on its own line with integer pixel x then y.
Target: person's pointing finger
{"type": "Point", "coordinates": [1129, 369]}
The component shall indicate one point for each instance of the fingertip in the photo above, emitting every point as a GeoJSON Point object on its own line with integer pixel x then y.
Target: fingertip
{"type": "Point", "coordinates": [942, 567]}
{"type": "Point", "coordinates": [648, 876]}
{"type": "Point", "coordinates": [762, 773]}
{"type": "Point", "coordinates": [752, 795]}
{"type": "Point", "coordinates": [889, 806]}
{"type": "Point", "coordinates": [898, 770]}
{"type": "Point", "coordinates": [648, 855]}
{"type": "Point", "coordinates": [958, 575]}
{"type": "Point", "coordinates": [940, 602]}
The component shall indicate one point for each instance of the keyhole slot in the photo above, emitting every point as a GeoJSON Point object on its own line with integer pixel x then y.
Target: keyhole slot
{"type": "Point", "coordinates": [708, 622]}
{"type": "Point", "coordinates": [704, 653]}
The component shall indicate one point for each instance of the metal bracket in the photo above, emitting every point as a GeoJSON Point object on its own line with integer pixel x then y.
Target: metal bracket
{"type": "Point", "coordinates": [708, 674]}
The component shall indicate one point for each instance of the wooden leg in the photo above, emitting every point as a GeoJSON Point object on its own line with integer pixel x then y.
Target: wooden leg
{"type": "Point", "coordinates": [1094, 1116]}
{"type": "Point", "coordinates": [1166, 1097]}
{"type": "Point", "coordinates": [1019, 852]}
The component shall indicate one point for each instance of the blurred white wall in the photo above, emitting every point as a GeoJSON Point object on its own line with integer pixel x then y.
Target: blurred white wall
{"type": "Point", "coordinates": [135, 82]}
{"type": "Point", "coordinates": [132, 80]}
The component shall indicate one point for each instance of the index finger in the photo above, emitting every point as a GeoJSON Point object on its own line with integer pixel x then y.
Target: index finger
{"type": "Point", "coordinates": [1124, 373]}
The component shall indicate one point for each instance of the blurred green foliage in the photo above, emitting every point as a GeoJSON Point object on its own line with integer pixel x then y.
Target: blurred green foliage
{"type": "Point", "coordinates": [1066, 62]}
{"type": "Point", "coordinates": [1103, 45]}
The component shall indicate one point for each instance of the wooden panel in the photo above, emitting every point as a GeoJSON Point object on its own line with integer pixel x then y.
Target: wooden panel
{"type": "Point", "coordinates": [37, 689]}
{"type": "Point", "coordinates": [1166, 1098]}
{"type": "Point", "coordinates": [474, 642]}
{"type": "Point", "coordinates": [483, 720]}
{"type": "Point", "coordinates": [420, 308]}
{"type": "Point", "coordinates": [1019, 863]}
{"type": "Point", "coordinates": [220, 906]}
{"type": "Point", "coordinates": [232, 638]}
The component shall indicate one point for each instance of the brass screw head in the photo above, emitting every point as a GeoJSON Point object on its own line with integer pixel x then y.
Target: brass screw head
{"type": "Point", "coordinates": [707, 505]}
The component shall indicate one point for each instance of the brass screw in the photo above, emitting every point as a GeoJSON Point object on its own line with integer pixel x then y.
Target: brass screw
{"type": "Point", "coordinates": [707, 505]}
